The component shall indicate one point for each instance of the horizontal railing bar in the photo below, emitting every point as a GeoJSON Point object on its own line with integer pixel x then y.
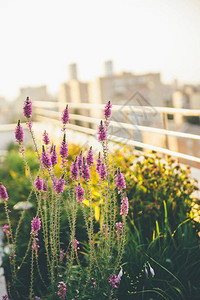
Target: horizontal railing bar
{"type": "Point", "coordinates": [126, 141]}
{"type": "Point", "coordinates": [121, 124]}
{"type": "Point", "coordinates": [10, 127]}
{"type": "Point", "coordinates": [125, 108]}
{"type": "Point", "coordinates": [155, 148]}
{"type": "Point", "coordinates": [69, 126]}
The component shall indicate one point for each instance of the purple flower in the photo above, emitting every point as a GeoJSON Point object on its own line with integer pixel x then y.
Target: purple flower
{"type": "Point", "coordinates": [39, 183]}
{"type": "Point", "coordinates": [65, 116]}
{"type": "Point", "coordinates": [44, 185]}
{"type": "Point", "coordinates": [104, 229]}
{"type": "Point", "coordinates": [64, 148]}
{"type": "Point", "coordinates": [5, 297]}
{"type": "Point", "coordinates": [80, 193]}
{"type": "Point", "coordinates": [37, 298]}
{"type": "Point", "coordinates": [107, 110]}
{"type": "Point", "coordinates": [118, 228]}
{"type": "Point", "coordinates": [62, 253]}
{"type": "Point", "coordinates": [27, 108]}
{"type": "Point", "coordinates": [5, 229]}
{"type": "Point", "coordinates": [120, 182]}
{"type": "Point", "coordinates": [62, 289]}
{"type": "Point", "coordinates": [75, 244]}
{"type": "Point", "coordinates": [60, 185]}
{"type": "Point", "coordinates": [99, 163]}
{"type": "Point", "coordinates": [46, 161]}
{"type": "Point", "coordinates": [80, 160]}
{"type": "Point", "coordinates": [46, 139]}
{"type": "Point", "coordinates": [124, 206]}
{"type": "Point", "coordinates": [113, 280]}
{"type": "Point", "coordinates": [103, 173]}
{"type": "Point", "coordinates": [89, 157]}
{"type": "Point", "coordinates": [85, 170]}
{"type": "Point", "coordinates": [54, 157]}
{"type": "Point", "coordinates": [3, 193]}
{"type": "Point", "coordinates": [74, 170]}
{"type": "Point", "coordinates": [35, 225]}
{"type": "Point", "coordinates": [102, 132]}
{"type": "Point", "coordinates": [35, 246]}
{"type": "Point", "coordinates": [19, 134]}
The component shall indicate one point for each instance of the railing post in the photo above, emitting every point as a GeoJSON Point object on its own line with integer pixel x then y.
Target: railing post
{"type": "Point", "coordinates": [127, 120]}
{"type": "Point", "coordinates": [165, 123]}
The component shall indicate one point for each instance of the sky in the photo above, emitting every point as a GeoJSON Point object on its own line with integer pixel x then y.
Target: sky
{"type": "Point", "coordinates": [40, 38]}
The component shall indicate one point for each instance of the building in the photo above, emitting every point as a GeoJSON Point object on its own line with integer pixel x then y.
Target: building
{"type": "Point", "coordinates": [120, 87]}
{"type": "Point", "coordinates": [195, 100]}
{"type": "Point", "coordinates": [73, 91]}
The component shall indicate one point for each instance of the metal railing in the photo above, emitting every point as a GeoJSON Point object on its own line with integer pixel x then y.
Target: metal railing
{"type": "Point", "coordinates": [51, 111]}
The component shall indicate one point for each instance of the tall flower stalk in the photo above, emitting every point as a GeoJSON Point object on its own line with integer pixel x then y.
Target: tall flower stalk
{"type": "Point", "coordinates": [67, 194]}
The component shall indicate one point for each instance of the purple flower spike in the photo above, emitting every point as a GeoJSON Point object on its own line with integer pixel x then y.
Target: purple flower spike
{"type": "Point", "coordinates": [46, 139]}
{"type": "Point", "coordinates": [120, 182]}
{"type": "Point", "coordinates": [107, 110]}
{"type": "Point", "coordinates": [39, 183]}
{"type": "Point", "coordinates": [99, 163]}
{"type": "Point", "coordinates": [80, 160]}
{"type": "Point", "coordinates": [118, 228]}
{"type": "Point", "coordinates": [74, 170]}
{"type": "Point", "coordinates": [46, 162]}
{"type": "Point", "coordinates": [60, 185]}
{"type": "Point", "coordinates": [102, 132]}
{"type": "Point", "coordinates": [3, 193]}
{"type": "Point", "coordinates": [5, 297]}
{"type": "Point", "coordinates": [124, 206]}
{"type": "Point", "coordinates": [35, 225]}
{"type": "Point", "coordinates": [89, 157]}
{"type": "Point", "coordinates": [64, 148]}
{"type": "Point", "coordinates": [85, 170]}
{"type": "Point", "coordinates": [27, 108]}
{"type": "Point", "coordinates": [65, 116]}
{"type": "Point", "coordinates": [19, 134]}
{"type": "Point", "coordinates": [62, 289]}
{"type": "Point", "coordinates": [80, 193]}
{"type": "Point", "coordinates": [103, 173]}
{"type": "Point", "coordinates": [54, 157]}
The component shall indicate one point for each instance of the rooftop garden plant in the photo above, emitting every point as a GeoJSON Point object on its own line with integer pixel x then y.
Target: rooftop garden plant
{"type": "Point", "coordinates": [67, 264]}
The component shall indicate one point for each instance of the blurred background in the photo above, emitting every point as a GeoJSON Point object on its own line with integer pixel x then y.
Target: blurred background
{"type": "Point", "coordinates": [140, 51]}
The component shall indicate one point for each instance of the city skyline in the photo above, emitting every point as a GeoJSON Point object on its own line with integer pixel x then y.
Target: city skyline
{"type": "Point", "coordinates": [41, 38]}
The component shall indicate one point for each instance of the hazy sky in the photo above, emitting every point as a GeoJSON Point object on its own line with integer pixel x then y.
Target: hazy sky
{"type": "Point", "coordinates": [39, 38]}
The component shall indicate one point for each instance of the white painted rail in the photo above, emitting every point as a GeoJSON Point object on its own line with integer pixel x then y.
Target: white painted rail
{"type": "Point", "coordinates": [57, 115]}
{"type": "Point", "coordinates": [128, 108]}
{"type": "Point", "coordinates": [51, 111]}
